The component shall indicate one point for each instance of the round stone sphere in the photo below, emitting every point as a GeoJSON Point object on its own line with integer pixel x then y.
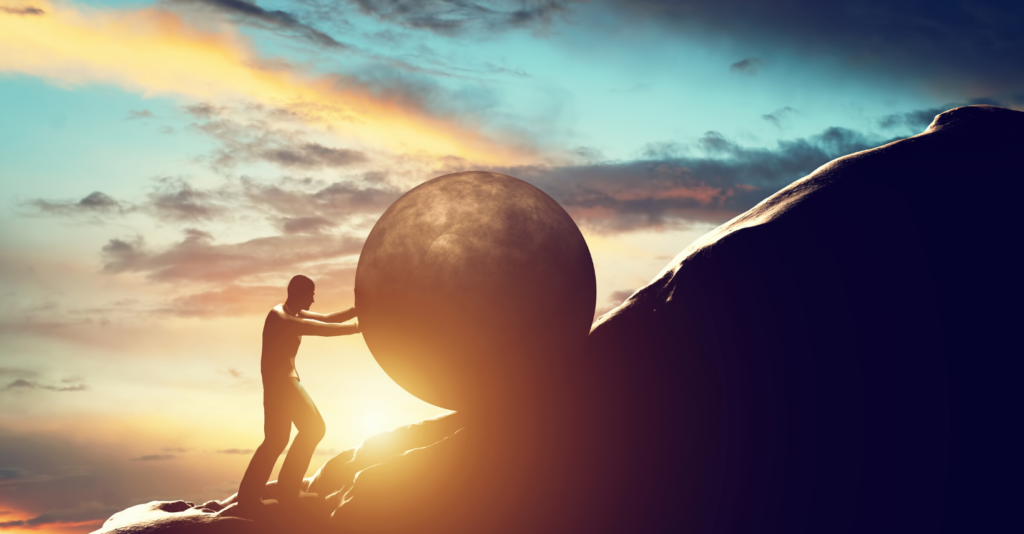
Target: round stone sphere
{"type": "Point", "coordinates": [474, 290]}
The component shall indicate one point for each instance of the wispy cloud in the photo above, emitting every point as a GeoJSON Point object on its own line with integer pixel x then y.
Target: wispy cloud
{"type": "Point", "coordinates": [21, 383]}
{"type": "Point", "coordinates": [457, 17]}
{"type": "Point", "coordinates": [252, 136]}
{"type": "Point", "coordinates": [748, 66]}
{"type": "Point", "coordinates": [26, 10]}
{"type": "Point", "coordinates": [778, 116]}
{"type": "Point", "coordinates": [235, 451]}
{"type": "Point", "coordinates": [139, 114]}
{"type": "Point", "coordinates": [252, 14]}
{"type": "Point", "coordinates": [198, 258]}
{"type": "Point", "coordinates": [154, 458]}
{"type": "Point", "coordinates": [158, 52]}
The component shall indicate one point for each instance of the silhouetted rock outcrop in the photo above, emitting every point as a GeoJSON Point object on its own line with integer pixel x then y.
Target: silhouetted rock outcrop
{"type": "Point", "coordinates": [840, 358]}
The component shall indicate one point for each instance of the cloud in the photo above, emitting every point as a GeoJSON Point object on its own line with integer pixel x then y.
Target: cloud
{"type": "Point", "coordinates": [916, 120]}
{"type": "Point", "coordinates": [256, 139]}
{"type": "Point", "coordinates": [457, 17]}
{"type": "Point", "coordinates": [304, 203]}
{"type": "Point", "coordinates": [235, 451]}
{"type": "Point", "coordinates": [62, 479]}
{"type": "Point", "coordinates": [252, 14]}
{"type": "Point", "coordinates": [305, 225]}
{"type": "Point", "coordinates": [778, 116]}
{"type": "Point", "coordinates": [21, 383]}
{"type": "Point", "coordinates": [721, 180]}
{"type": "Point", "coordinates": [970, 48]}
{"type": "Point", "coordinates": [94, 204]}
{"type": "Point", "coordinates": [157, 52]}
{"type": "Point", "coordinates": [28, 10]}
{"type": "Point", "coordinates": [140, 114]}
{"type": "Point", "coordinates": [749, 66]}
{"type": "Point", "coordinates": [87, 514]}
{"type": "Point", "coordinates": [174, 199]}
{"type": "Point", "coordinates": [154, 458]}
{"type": "Point", "coordinates": [22, 373]}
{"type": "Point", "coordinates": [197, 258]}
{"type": "Point", "coordinates": [617, 297]}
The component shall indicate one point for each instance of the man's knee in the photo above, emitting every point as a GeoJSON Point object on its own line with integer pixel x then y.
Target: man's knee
{"type": "Point", "coordinates": [315, 430]}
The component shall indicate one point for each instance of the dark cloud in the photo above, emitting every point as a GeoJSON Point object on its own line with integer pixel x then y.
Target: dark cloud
{"type": "Point", "coordinates": [954, 45]}
{"type": "Point", "coordinates": [916, 120]}
{"type": "Point", "coordinates": [154, 458]}
{"type": "Point", "coordinates": [252, 14]}
{"type": "Point", "coordinates": [21, 383]}
{"type": "Point", "coordinates": [174, 199]}
{"type": "Point", "coordinates": [93, 204]}
{"type": "Point", "coordinates": [140, 114]}
{"type": "Point", "coordinates": [455, 17]}
{"type": "Point", "coordinates": [749, 66]}
{"type": "Point", "coordinates": [198, 258]}
{"type": "Point", "coordinates": [723, 180]}
{"type": "Point", "coordinates": [236, 451]}
{"type": "Point", "coordinates": [22, 10]}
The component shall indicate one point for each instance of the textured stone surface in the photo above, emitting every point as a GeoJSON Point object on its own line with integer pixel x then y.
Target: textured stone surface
{"type": "Point", "coordinates": [837, 359]}
{"type": "Point", "coordinates": [473, 289]}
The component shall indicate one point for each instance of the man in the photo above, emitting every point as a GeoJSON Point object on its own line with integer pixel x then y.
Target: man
{"type": "Point", "coordinates": [285, 401]}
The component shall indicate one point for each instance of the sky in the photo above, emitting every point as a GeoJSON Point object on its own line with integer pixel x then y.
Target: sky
{"type": "Point", "coordinates": [166, 167]}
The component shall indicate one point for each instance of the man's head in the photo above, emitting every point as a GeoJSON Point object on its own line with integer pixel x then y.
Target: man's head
{"type": "Point", "coordinates": [300, 292]}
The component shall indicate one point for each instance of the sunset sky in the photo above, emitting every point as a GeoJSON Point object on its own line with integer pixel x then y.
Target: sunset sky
{"type": "Point", "coordinates": [166, 167]}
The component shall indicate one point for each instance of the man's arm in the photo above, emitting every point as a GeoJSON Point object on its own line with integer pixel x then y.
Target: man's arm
{"type": "Point", "coordinates": [312, 327]}
{"type": "Point", "coordinates": [336, 317]}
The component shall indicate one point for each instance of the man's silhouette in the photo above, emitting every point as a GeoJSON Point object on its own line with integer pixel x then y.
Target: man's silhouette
{"type": "Point", "coordinates": [285, 401]}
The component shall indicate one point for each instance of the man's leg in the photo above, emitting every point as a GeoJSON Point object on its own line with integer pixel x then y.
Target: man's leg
{"type": "Point", "coordinates": [311, 428]}
{"type": "Point", "coordinates": [277, 426]}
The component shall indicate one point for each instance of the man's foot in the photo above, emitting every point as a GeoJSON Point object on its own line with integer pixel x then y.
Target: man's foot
{"type": "Point", "coordinates": [298, 499]}
{"type": "Point", "coordinates": [249, 509]}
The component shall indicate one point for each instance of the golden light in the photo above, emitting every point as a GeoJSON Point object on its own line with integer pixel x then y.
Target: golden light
{"type": "Point", "coordinates": [157, 53]}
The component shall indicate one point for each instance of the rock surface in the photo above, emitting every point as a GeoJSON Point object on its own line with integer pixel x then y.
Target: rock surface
{"type": "Point", "coordinates": [840, 358]}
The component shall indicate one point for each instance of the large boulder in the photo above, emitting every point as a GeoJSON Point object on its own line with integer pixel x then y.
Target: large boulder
{"type": "Point", "coordinates": [475, 291]}
{"type": "Point", "coordinates": [840, 358]}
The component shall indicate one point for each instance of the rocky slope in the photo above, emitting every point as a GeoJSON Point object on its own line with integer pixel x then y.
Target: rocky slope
{"type": "Point", "coordinates": [840, 358]}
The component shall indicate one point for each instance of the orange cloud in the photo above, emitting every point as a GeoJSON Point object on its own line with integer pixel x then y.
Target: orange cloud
{"type": "Point", "coordinates": [156, 52]}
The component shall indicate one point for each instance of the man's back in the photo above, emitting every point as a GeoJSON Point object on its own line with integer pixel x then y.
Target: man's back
{"type": "Point", "coordinates": [281, 341]}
